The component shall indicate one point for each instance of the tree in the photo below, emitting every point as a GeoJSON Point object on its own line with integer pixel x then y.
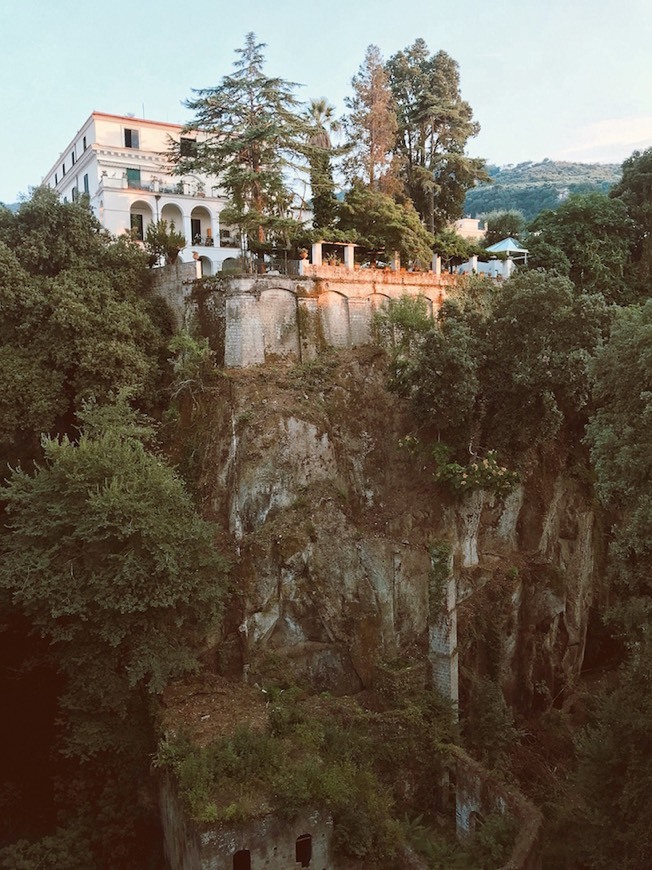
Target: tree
{"type": "Point", "coordinates": [163, 242]}
{"type": "Point", "coordinates": [593, 233]}
{"type": "Point", "coordinates": [434, 125]}
{"type": "Point", "coordinates": [371, 124]}
{"type": "Point", "coordinates": [252, 131]}
{"type": "Point", "coordinates": [107, 557]}
{"type": "Point", "coordinates": [503, 225]}
{"type": "Point", "coordinates": [538, 344]}
{"type": "Point", "coordinates": [81, 323]}
{"type": "Point", "coordinates": [321, 122]}
{"type": "Point", "coordinates": [384, 226]}
{"type": "Point", "coordinates": [620, 437]}
{"type": "Point", "coordinates": [634, 190]}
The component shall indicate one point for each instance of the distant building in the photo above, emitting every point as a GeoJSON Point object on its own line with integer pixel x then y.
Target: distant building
{"type": "Point", "coordinates": [469, 228]}
{"type": "Point", "coordinates": [119, 162]}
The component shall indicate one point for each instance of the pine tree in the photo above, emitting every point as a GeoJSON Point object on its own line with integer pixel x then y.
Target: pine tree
{"type": "Point", "coordinates": [254, 132]}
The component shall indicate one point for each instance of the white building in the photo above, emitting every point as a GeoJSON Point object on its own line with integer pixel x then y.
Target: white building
{"type": "Point", "coordinates": [120, 163]}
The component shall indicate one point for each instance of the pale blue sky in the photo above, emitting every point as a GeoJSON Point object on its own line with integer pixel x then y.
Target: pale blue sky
{"type": "Point", "coordinates": [565, 79]}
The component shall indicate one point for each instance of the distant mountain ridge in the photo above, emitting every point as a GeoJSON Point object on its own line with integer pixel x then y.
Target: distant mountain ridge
{"type": "Point", "coordinates": [532, 187]}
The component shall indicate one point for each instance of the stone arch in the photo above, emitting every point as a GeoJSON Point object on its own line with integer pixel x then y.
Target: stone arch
{"type": "Point", "coordinates": [303, 850]}
{"type": "Point", "coordinates": [206, 266]}
{"type": "Point", "coordinates": [379, 300]}
{"type": "Point", "coordinates": [172, 214]}
{"type": "Point", "coordinates": [200, 225]}
{"type": "Point", "coordinates": [277, 309]}
{"type": "Point", "coordinates": [140, 217]}
{"type": "Point", "coordinates": [334, 313]}
{"type": "Point", "coordinates": [230, 265]}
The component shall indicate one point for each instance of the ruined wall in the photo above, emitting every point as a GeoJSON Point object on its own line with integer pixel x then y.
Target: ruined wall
{"type": "Point", "coordinates": [268, 842]}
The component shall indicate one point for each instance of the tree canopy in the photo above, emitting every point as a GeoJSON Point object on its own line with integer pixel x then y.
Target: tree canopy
{"type": "Point", "coordinates": [253, 131]}
{"type": "Point", "coordinates": [434, 126]}
{"type": "Point", "coordinates": [108, 558]}
{"type": "Point", "coordinates": [82, 322]}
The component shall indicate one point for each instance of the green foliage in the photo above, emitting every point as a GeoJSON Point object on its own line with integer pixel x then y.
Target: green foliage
{"type": "Point", "coordinates": [485, 474]}
{"type": "Point", "coordinates": [79, 323]}
{"type": "Point", "coordinates": [253, 132]}
{"type": "Point", "coordinates": [441, 377]}
{"type": "Point", "coordinates": [539, 342]}
{"type": "Point", "coordinates": [108, 559]}
{"type": "Point", "coordinates": [384, 226]}
{"type": "Point", "coordinates": [532, 187]}
{"type": "Point", "coordinates": [502, 225]}
{"type": "Point", "coordinates": [192, 365]}
{"type": "Point", "coordinates": [612, 825]}
{"type": "Point", "coordinates": [619, 435]}
{"type": "Point", "coordinates": [492, 843]}
{"type": "Point", "coordinates": [321, 121]}
{"type": "Point", "coordinates": [634, 190]}
{"type": "Point", "coordinates": [488, 728]}
{"type": "Point", "coordinates": [594, 233]}
{"type": "Point", "coordinates": [402, 322]}
{"type": "Point", "coordinates": [163, 242]}
{"type": "Point", "coordinates": [320, 754]}
{"type": "Point", "coordinates": [434, 126]}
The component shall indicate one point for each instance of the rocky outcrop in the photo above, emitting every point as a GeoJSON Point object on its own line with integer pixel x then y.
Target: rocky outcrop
{"type": "Point", "coordinates": [335, 529]}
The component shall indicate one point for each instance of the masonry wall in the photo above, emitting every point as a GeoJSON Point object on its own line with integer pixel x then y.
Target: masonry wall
{"type": "Point", "coordinates": [270, 841]}
{"type": "Point", "coordinates": [270, 317]}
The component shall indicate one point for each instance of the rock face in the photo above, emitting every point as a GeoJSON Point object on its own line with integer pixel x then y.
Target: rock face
{"type": "Point", "coordinates": [337, 530]}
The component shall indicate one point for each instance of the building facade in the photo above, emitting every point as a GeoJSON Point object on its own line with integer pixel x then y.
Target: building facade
{"type": "Point", "coordinates": [120, 163]}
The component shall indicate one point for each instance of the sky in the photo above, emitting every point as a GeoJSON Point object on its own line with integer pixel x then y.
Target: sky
{"type": "Point", "coordinates": [563, 79]}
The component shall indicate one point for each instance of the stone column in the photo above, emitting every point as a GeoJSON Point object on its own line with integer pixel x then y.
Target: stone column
{"type": "Point", "coordinates": [316, 253]}
{"type": "Point", "coordinates": [473, 264]}
{"type": "Point", "coordinates": [436, 264]}
{"type": "Point", "coordinates": [349, 257]}
{"type": "Point", "coordinates": [396, 261]}
{"type": "Point", "coordinates": [187, 229]}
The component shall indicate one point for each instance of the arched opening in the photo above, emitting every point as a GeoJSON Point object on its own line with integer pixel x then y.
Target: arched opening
{"type": "Point", "coordinates": [172, 214]}
{"type": "Point", "coordinates": [206, 266]}
{"type": "Point", "coordinates": [200, 226]}
{"type": "Point", "coordinates": [231, 265]}
{"type": "Point", "coordinates": [242, 860]}
{"type": "Point", "coordinates": [140, 217]}
{"type": "Point", "coordinates": [303, 850]}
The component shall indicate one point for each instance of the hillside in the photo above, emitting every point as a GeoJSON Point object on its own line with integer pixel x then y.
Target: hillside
{"type": "Point", "coordinates": [531, 187]}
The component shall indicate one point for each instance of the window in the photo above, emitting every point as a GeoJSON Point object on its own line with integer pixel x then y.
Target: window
{"type": "Point", "coordinates": [195, 231]}
{"type": "Point", "coordinates": [86, 185]}
{"type": "Point", "coordinates": [242, 860]}
{"type": "Point", "coordinates": [137, 227]}
{"type": "Point", "coordinates": [63, 168]}
{"type": "Point", "coordinates": [75, 194]}
{"type": "Point", "coordinates": [133, 178]}
{"type": "Point", "coordinates": [72, 158]}
{"type": "Point", "coordinates": [56, 178]}
{"type": "Point", "coordinates": [188, 147]}
{"type": "Point", "coordinates": [84, 146]}
{"type": "Point", "coordinates": [131, 138]}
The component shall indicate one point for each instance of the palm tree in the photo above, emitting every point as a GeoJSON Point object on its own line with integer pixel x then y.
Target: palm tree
{"type": "Point", "coordinates": [321, 120]}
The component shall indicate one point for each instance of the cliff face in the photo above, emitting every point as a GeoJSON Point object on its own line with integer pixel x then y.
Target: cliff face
{"type": "Point", "coordinates": [334, 528]}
